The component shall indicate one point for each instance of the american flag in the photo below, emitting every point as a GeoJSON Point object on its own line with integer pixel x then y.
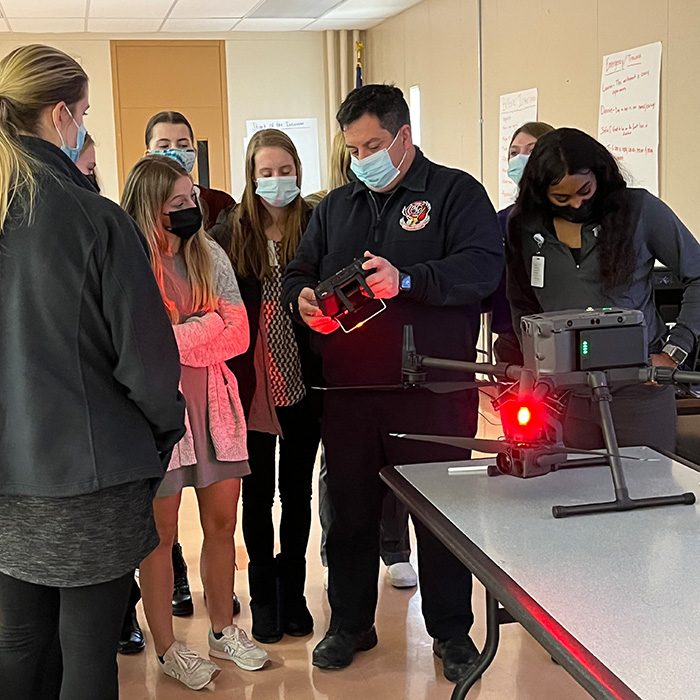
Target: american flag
{"type": "Point", "coordinates": [358, 65]}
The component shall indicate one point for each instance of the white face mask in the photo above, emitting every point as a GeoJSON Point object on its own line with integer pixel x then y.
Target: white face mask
{"type": "Point", "coordinates": [378, 170]}
{"type": "Point", "coordinates": [277, 191]}
{"type": "Point", "coordinates": [516, 167]}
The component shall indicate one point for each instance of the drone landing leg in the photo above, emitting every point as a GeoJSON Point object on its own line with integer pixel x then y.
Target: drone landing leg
{"type": "Point", "coordinates": [601, 394]}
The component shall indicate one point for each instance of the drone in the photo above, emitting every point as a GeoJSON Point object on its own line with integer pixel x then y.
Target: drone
{"type": "Point", "coordinates": [562, 351]}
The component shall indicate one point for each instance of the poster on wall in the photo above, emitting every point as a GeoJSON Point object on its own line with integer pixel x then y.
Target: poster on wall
{"type": "Point", "coordinates": [516, 109]}
{"type": "Point", "coordinates": [628, 118]}
{"type": "Point", "coordinates": [304, 135]}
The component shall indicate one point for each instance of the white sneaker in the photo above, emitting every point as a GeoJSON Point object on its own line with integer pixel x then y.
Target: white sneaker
{"type": "Point", "coordinates": [325, 578]}
{"type": "Point", "coordinates": [402, 575]}
{"type": "Point", "coordinates": [188, 667]}
{"type": "Point", "coordinates": [235, 646]}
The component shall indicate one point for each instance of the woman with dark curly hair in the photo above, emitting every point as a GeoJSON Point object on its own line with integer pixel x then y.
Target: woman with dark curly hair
{"type": "Point", "coordinates": [579, 237]}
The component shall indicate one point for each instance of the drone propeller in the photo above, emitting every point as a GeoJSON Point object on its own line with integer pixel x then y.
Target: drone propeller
{"type": "Point", "coordinates": [367, 387]}
{"type": "Point", "coordinates": [435, 387]}
{"type": "Point", "coordinates": [502, 446]}
{"type": "Point", "coordinates": [464, 443]}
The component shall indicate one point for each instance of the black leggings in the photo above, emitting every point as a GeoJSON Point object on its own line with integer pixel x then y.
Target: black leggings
{"type": "Point", "coordinates": [60, 642]}
{"type": "Point", "coordinates": [297, 454]}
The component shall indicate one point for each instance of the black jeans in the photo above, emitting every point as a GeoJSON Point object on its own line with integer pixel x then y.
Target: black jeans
{"type": "Point", "coordinates": [297, 454]}
{"type": "Point", "coordinates": [394, 541]}
{"type": "Point", "coordinates": [355, 429]}
{"type": "Point", "coordinates": [60, 642]}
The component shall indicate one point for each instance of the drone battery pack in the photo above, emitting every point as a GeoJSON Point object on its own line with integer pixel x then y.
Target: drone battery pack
{"type": "Point", "coordinates": [571, 341]}
{"type": "Point", "coordinates": [601, 348]}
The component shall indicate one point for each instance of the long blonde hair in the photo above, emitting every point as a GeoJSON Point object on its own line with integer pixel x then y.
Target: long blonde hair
{"type": "Point", "coordinates": [249, 249]}
{"type": "Point", "coordinates": [338, 162]}
{"type": "Point", "coordinates": [148, 187]}
{"type": "Point", "coordinates": [32, 78]}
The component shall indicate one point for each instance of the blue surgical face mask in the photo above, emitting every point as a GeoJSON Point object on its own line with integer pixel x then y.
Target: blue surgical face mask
{"type": "Point", "coordinates": [277, 191]}
{"type": "Point", "coordinates": [378, 170]}
{"type": "Point", "coordinates": [516, 166]}
{"type": "Point", "coordinates": [184, 156]}
{"type": "Point", "coordinates": [73, 152]}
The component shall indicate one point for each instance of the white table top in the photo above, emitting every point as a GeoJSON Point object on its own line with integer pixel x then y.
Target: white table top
{"type": "Point", "coordinates": [626, 585]}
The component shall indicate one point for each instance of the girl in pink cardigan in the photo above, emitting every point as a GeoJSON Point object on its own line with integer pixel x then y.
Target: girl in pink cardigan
{"type": "Point", "coordinates": [200, 293]}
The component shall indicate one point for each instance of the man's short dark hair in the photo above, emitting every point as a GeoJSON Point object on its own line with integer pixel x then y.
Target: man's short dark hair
{"type": "Point", "coordinates": [386, 102]}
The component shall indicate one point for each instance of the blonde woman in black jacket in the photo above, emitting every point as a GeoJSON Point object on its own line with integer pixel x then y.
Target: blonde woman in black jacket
{"type": "Point", "coordinates": [89, 402]}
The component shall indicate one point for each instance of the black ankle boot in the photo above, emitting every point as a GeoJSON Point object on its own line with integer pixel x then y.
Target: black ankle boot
{"type": "Point", "coordinates": [182, 597]}
{"type": "Point", "coordinates": [131, 639]}
{"type": "Point", "coordinates": [296, 618]}
{"type": "Point", "coordinates": [264, 608]}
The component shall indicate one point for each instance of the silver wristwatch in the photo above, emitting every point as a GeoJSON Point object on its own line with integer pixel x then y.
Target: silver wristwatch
{"type": "Point", "coordinates": [678, 355]}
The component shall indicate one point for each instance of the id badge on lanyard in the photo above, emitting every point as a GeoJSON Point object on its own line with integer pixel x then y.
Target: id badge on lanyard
{"type": "Point", "coordinates": [537, 264]}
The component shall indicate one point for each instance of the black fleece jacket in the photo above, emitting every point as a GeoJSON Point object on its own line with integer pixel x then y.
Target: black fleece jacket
{"type": "Point", "coordinates": [89, 368]}
{"type": "Point", "coordinates": [439, 227]}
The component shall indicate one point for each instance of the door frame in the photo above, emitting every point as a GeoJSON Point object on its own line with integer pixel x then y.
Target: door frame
{"type": "Point", "coordinates": [114, 45]}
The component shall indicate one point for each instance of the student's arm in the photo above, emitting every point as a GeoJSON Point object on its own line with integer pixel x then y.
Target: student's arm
{"type": "Point", "coordinates": [232, 338]}
{"type": "Point", "coordinates": [675, 246]}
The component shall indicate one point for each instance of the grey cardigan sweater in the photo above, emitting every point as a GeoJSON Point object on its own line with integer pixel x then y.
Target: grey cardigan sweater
{"type": "Point", "coordinates": [658, 235]}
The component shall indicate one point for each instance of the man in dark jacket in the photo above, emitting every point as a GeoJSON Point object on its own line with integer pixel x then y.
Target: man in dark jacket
{"type": "Point", "coordinates": [434, 248]}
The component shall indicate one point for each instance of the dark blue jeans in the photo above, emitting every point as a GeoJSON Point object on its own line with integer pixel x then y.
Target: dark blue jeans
{"type": "Point", "coordinates": [60, 643]}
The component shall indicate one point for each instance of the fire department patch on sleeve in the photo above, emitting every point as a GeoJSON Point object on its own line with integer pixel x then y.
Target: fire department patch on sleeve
{"type": "Point", "coordinates": [415, 216]}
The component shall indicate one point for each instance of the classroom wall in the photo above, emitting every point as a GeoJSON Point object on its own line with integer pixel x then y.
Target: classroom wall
{"type": "Point", "coordinates": [265, 72]}
{"type": "Point", "coordinates": [270, 76]}
{"type": "Point", "coordinates": [556, 46]}
{"type": "Point", "coordinates": [434, 45]}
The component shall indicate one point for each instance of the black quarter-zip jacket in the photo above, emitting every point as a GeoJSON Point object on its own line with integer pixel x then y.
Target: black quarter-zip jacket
{"type": "Point", "coordinates": [439, 227]}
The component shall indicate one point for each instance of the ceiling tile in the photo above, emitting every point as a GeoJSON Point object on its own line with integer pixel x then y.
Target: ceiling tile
{"type": "Point", "coordinates": [272, 25]}
{"type": "Point", "coordinates": [213, 8]}
{"type": "Point", "coordinates": [293, 8]}
{"type": "Point", "coordinates": [99, 24]}
{"type": "Point", "coordinates": [131, 9]}
{"type": "Point", "coordinates": [214, 24]}
{"type": "Point", "coordinates": [44, 8]}
{"type": "Point", "coordinates": [323, 24]}
{"type": "Point", "coordinates": [368, 9]}
{"type": "Point", "coordinates": [38, 25]}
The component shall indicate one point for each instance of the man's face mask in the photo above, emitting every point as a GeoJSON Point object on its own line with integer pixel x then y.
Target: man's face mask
{"type": "Point", "coordinates": [277, 191]}
{"type": "Point", "coordinates": [186, 157]}
{"type": "Point", "coordinates": [378, 170]}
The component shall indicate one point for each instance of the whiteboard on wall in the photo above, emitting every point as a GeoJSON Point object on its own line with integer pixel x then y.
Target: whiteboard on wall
{"type": "Point", "coordinates": [628, 117]}
{"type": "Point", "coordinates": [516, 109]}
{"type": "Point", "coordinates": [304, 135]}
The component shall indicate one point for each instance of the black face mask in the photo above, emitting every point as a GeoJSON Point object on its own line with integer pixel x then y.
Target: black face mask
{"type": "Point", "coordinates": [185, 223]}
{"type": "Point", "coordinates": [587, 212]}
{"type": "Point", "coordinates": [93, 181]}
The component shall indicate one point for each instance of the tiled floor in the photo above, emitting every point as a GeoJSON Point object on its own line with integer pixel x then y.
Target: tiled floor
{"type": "Point", "coordinates": [401, 666]}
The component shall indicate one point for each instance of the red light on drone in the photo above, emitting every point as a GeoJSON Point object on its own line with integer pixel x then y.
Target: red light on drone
{"type": "Point", "coordinates": [524, 415]}
{"type": "Point", "coordinates": [524, 419]}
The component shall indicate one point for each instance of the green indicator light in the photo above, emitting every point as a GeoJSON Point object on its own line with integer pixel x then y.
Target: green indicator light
{"type": "Point", "coordinates": [585, 348]}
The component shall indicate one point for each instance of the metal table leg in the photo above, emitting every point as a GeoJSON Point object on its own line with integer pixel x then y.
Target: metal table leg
{"type": "Point", "coordinates": [483, 661]}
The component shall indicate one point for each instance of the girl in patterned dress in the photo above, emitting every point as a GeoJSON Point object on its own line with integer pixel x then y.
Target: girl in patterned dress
{"type": "Point", "coordinates": [274, 378]}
